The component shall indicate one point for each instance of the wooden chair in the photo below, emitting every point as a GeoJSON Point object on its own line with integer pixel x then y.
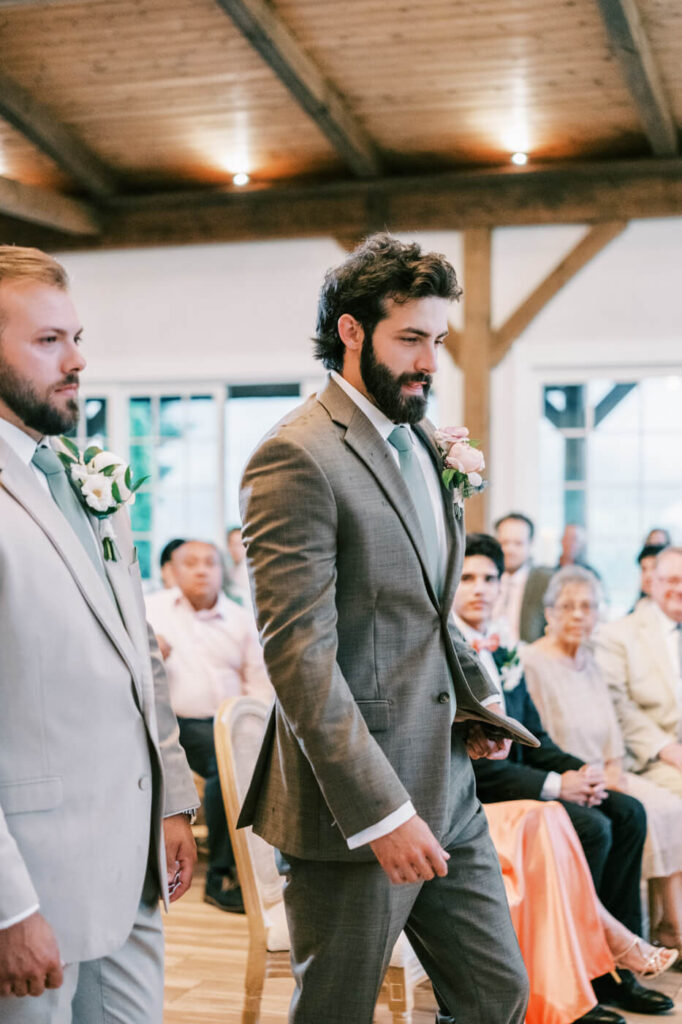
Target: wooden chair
{"type": "Point", "coordinates": [239, 727]}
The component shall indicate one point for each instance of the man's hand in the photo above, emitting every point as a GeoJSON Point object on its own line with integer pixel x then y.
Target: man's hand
{"type": "Point", "coordinates": [584, 787]}
{"type": "Point", "coordinates": [29, 958]}
{"type": "Point", "coordinates": [411, 853]}
{"type": "Point", "coordinates": [479, 745]}
{"type": "Point", "coordinates": [181, 853]}
{"type": "Point", "coordinates": [672, 754]}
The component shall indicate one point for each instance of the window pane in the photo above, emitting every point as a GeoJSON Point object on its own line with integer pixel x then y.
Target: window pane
{"type": "Point", "coordinates": [140, 416]}
{"type": "Point", "coordinates": [565, 405]}
{"type": "Point", "coordinates": [575, 458]}
{"type": "Point", "coordinates": [613, 457]}
{"type": "Point", "coordinates": [201, 417]}
{"type": "Point", "coordinates": [170, 416]}
{"type": "Point", "coordinates": [141, 512]}
{"type": "Point", "coordinates": [618, 412]}
{"type": "Point", "coordinates": [144, 555]}
{"type": "Point", "coordinates": [662, 403]}
{"type": "Point", "coordinates": [661, 462]}
{"type": "Point", "coordinates": [96, 421]}
{"type": "Point", "coordinates": [574, 507]}
{"type": "Point", "coordinates": [141, 460]}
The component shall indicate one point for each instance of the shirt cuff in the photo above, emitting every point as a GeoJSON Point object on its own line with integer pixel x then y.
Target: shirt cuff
{"type": "Point", "coordinates": [494, 698]}
{"type": "Point", "coordinates": [383, 827]}
{"type": "Point", "coordinates": [190, 812]}
{"type": "Point", "coordinates": [19, 917]}
{"type": "Point", "coordinates": [551, 788]}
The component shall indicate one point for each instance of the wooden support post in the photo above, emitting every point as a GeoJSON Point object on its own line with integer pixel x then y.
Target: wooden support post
{"type": "Point", "coordinates": [474, 351]}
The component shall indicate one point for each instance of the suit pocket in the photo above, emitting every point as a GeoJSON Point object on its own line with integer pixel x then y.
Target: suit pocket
{"type": "Point", "coordinates": [31, 795]}
{"type": "Point", "coordinates": [376, 713]}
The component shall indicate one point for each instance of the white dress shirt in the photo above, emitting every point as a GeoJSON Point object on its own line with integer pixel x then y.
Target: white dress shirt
{"type": "Point", "coordinates": [214, 654]}
{"type": "Point", "coordinates": [551, 787]}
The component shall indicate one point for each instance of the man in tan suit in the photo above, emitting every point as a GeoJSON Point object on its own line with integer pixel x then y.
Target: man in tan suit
{"type": "Point", "coordinates": [93, 782]}
{"type": "Point", "coordinates": [354, 552]}
{"type": "Point", "coordinates": [641, 658]}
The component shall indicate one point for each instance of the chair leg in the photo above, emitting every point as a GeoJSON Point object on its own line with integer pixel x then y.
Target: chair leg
{"type": "Point", "coordinates": [253, 985]}
{"type": "Point", "coordinates": [400, 999]}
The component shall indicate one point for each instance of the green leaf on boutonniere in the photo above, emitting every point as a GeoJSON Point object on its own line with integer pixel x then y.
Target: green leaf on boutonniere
{"type": "Point", "coordinates": [448, 476]}
{"type": "Point", "coordinates": [128, 477]}
{"type": "Point", "coordinates": [109, 470]}
{"type": "Point", "coordinates": [89, 453]}
{"type": "Point", "coordinates": [138, 483]}
{"type": "Point", "coordinates": [66, 460]}
{"type": "Point", "coordinates": [68, 443]}
{"type": "Point", "coordinates": [116, 494]}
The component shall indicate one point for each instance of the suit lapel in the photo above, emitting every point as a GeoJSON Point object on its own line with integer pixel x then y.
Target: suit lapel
{"type": "Point", "coordinates": [425, 430]}
{"type": "Point", "coordinates": [654, 641]}
{"type": "Point", "coordinates": [368, 445]}
{"type": "Point", "coordinates": [19, 480]}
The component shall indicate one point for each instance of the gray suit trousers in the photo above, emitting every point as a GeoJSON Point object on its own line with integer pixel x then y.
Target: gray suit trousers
{"type": "Point", "coordinates": [125, 987]}
{"type": "Point", "coordinates": [344, 919]}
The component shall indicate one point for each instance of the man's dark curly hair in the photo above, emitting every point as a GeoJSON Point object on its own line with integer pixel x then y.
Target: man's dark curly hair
{"type": "Point", "coordinates": [381, 268]}
{"type": "Point", "coordinates": [484, 544]}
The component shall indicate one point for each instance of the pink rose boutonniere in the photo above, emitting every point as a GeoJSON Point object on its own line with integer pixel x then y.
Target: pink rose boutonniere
{"type": "Point", "coordinates": [462, 465]}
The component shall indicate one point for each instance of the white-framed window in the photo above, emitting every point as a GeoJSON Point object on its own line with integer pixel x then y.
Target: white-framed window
{"type": "Point", "coordinates": [609, 460]}
{"type": "Point", "coordinates": [192, 442]}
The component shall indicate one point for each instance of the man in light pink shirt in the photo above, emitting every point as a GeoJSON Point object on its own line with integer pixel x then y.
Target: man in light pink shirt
{"type": "Point", "coordinates": [212, 652]}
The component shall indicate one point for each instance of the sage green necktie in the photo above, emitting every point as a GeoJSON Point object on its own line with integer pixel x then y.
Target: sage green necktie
{"type": "Point", "coordinates": [49, 463]}
{"type": "Point", "coordinates": [401, 439]}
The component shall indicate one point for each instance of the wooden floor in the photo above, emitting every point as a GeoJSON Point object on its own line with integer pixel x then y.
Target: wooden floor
{"type": "Point", "coordinates": [206, 957]}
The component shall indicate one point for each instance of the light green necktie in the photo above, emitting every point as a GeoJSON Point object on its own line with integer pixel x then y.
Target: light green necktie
{"type": "Point", "coordinates": [49, 463]}
{"type": "Point", "coordinates": [401, 439]}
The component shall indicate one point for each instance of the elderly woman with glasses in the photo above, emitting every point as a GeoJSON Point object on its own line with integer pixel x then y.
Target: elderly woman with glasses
{"type": "Point", "coordinates": [572, 698]}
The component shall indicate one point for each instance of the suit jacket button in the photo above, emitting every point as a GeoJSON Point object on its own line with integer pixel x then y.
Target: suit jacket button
{"type": "Point", "coordinates": [443, 698]}
{"type": "Point", "coordinates": [144, 782]}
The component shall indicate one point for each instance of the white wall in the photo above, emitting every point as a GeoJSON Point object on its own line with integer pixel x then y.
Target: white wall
{"type": "Point", "coordinates": [246, 312]}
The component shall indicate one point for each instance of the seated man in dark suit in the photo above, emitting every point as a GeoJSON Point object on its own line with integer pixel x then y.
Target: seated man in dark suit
{"type": "Point", "coordinates": [611, 826]}
{"type": "Point", "coordinates": [519, 602]}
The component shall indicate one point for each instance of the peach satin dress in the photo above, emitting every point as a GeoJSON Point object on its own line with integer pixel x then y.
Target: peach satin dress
{"type": "Point", "coordinates": [553, 907]}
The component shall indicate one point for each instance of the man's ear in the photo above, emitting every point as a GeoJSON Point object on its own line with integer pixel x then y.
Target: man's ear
{"type": "Point", "coordinates": [350, 332]}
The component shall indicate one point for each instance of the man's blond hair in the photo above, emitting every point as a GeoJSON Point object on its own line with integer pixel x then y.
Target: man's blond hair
{"type": "Point", "coordinates": [20, 263]}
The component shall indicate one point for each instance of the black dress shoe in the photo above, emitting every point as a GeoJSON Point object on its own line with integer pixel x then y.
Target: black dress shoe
{"type": "Point", "coordinates": [229, 900]}
{"type": "Point", "coordinates": [442, 1018]}
{"type": "Point", "coordinates": [630, 995]}
{"type": "Point", "coordinates": [598, 1015]}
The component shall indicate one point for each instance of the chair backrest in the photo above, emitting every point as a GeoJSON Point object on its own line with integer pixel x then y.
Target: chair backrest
{"type": "Point", "coordinates": [238, 731]}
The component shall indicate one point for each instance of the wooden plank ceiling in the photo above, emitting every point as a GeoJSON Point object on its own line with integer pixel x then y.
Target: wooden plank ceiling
{"type": "Point", "coordinates": [124, 121]}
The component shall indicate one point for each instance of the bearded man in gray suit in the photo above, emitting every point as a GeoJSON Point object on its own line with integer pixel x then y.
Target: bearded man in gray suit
{"type": "Point", "coordinates": [363, 781]}
{"type": "Point", "coordinates": [94, 785]}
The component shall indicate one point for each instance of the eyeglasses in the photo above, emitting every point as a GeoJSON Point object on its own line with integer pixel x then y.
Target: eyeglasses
{"type": "Point", "coordinates": [568, 607]}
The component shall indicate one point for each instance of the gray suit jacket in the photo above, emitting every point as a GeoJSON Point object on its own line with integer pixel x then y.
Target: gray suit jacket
{"type": "Point", "coordinates": [89, 755]}
{"type": "Point", "coordinates": [358, 645]}
{"type": "Point", "coordinates": [532, 621]}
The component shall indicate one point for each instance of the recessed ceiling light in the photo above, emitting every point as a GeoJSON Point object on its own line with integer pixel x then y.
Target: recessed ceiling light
{"type": "Point", "coordinates": [519, 159]}
{"type": "Point", "coordinates": [241, 178]}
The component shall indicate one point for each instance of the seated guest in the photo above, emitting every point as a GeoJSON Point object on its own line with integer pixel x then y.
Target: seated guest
{"type": "Point", "coordinates": [518, 607]}
{"type": "Point", "coordinates": [212, 652]}
{"type": "Point", "coordinates": [659, 536]}
{"type": "Point", "coordinates": [611, 826]}
{"type": "Point", "coordinates": [574, 548]}
{"type": "Point", "coordinates": [572, 698]}
{"type": "Point", "coordinates": [646, 561]}
{"type": "Point", "coordinates": [640, 658]}
{"type": "Point", "coordinates": [166, 562]}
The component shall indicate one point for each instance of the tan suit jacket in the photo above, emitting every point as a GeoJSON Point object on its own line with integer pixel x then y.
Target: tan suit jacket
{"type": "Point", "coordinates": [359, 647]}
{"type": "Point", "coordinates": [89, 756]}
{"type": "Point", "coordinates": [633, 654]}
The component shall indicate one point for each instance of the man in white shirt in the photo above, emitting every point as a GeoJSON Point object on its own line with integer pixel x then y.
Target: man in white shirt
{"type": "Point", "coordinates": [211, 652]}
{"type": "Point", "coordinates": [640, 656]}
{"type": "Point", "coordinates": [519, 607]}
{"type": "Point", "coordinates": [354, 550]}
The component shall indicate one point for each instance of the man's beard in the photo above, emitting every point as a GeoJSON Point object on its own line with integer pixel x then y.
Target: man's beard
{"type": "Point", "coordinates": [385, 388]}
{"type": "Point", "coordinates": [36, 413]}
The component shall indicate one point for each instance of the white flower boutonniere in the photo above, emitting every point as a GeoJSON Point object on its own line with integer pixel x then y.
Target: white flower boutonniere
{"type": "Point", "coordinates": [462, 464]}
{"type": "Point", "coordinates": [511, 670]}
{"type": "Point", "coordinates": [103, 482]}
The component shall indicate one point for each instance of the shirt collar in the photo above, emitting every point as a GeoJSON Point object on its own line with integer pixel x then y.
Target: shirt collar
{"type": "Point", "coordinates": [21, 443]}
{"type": "Point", "coordinates": [376, 417]}
{"type": "Point", "coordinates": [218, 611]}
{"type": "Point", "coordinates": [468, 632]}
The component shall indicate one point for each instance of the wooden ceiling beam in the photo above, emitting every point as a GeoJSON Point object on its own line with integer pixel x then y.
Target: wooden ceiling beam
{"type": "Point", "coordinates": [47, 209]}
{"type": "Point", "coordinates": [631, 45]}
{"type": "Point", "coordinates": [39, 125]}
{"type": "Point", "coordinates": [587, 248]}
{"type": "Point", "coordinates": [279, 48]}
